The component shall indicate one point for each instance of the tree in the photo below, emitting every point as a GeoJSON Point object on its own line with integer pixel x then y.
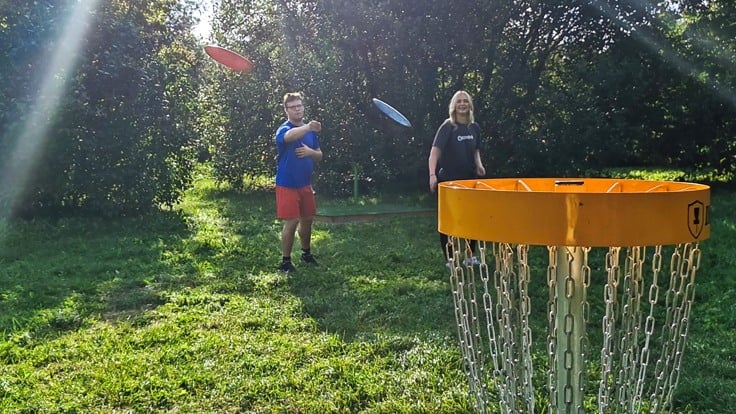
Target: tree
{"type": "Point", "coordinates": [414, 55]}
{"type": "Point", "coordinates": [121, 139]}
{"type": "Point", "coordinates": [654, 98]}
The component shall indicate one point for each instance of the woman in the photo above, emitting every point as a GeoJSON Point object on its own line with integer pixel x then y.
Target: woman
{"type": "Point", "coordinates": [455, 154]}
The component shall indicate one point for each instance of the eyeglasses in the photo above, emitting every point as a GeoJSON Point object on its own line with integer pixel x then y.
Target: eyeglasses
{"type": "Point", "coordinates": [299, 106]}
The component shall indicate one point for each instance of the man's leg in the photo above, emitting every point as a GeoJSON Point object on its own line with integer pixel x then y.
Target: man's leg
{"type": "Point", "coordinates": [287, 242]}
{"type": "Point", "coordinates": [305, 232]}
{"type": "Point", "coordinates": [305, 238]}
{"type": "Point", "coordinates": [287, 236]}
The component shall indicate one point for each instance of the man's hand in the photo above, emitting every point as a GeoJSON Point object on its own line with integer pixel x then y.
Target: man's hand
{"type": "Point", "coordinates": [315, 126]}
{"type": "Point", "coordinates": [304, 150]}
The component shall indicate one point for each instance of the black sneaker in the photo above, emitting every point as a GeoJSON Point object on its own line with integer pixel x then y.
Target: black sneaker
{"type": "Point", "coordinates": [287, 267]}
{"type": "Point", "coordinates": [308, 258]}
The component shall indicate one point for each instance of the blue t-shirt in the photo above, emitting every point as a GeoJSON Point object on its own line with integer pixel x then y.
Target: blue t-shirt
{"type": "Point", "coordinates": [291, 171]}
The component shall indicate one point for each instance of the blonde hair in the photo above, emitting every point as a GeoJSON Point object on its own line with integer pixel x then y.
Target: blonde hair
{"type": "Point", "coordinates": [453, 104]}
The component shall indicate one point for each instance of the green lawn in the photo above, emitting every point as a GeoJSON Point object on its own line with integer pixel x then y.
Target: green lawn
{"type": "Point", "coordinates": [184, 311]}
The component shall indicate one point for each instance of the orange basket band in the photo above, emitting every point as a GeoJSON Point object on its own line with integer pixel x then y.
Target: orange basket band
{"type": "Point", "coordinates": [593, 212]}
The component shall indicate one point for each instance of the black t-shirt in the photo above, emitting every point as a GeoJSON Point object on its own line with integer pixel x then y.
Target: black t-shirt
{"type": "Point", "coordinates": [458, 144]}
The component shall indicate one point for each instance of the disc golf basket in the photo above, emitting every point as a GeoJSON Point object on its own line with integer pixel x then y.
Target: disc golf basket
{"type": "Point", "coordinates": [634, 243]}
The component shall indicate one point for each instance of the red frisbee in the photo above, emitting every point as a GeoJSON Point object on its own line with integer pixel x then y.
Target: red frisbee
{"type": "Point", "coordinates": [229, 58]}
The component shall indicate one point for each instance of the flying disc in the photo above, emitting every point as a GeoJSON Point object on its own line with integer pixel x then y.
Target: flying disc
{"type": "Point", "coordinates": [391, 112]}
{"type": "Point", "coordinates": [229, 58]}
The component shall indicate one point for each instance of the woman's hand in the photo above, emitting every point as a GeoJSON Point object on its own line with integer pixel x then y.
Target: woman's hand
{"type": "Point", "coordinates": [480, 171]}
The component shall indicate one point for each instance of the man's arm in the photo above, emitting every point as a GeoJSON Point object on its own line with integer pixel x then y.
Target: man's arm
{"type": "Point", "coordinates": [295, 133]}
{"type": "Point", "coordinates": [306, 151]}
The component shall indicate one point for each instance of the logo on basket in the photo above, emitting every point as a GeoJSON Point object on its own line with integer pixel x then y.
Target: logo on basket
{"type": "Point", "coordinates": [697, 218]}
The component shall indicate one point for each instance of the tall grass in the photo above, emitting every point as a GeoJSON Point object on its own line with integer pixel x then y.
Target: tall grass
{"type": "Point", "coordinates": [184, 311]}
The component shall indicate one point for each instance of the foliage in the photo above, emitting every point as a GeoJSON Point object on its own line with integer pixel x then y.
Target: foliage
{"type": "Point", "coordinates": [552, 83]}
{"type": "Point", "coordinates": [185, 311]}
{"type": "Point", "coordinates": [560, 87]}
{"type": "Point", "coordinates": [119, 139]}
{"type": "Point", "coordinates": [661, 96]}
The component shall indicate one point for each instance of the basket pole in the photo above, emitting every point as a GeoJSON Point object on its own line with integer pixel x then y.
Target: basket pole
{"type": "Point", "coordinates": [569, 330]}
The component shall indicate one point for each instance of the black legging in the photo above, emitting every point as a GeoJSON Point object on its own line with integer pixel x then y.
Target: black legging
{"type": "Point", "coordinates": [443, 237]}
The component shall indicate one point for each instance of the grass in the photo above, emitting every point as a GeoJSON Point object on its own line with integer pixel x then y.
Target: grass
{"type": "Point", "coordinates": [184, 311]}
{"type": "Point", "coordinates": [370, 205]}
{"type": "Point", "coordinates": [377, 209]}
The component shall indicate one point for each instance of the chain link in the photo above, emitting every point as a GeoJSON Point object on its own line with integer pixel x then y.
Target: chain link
{"type": "Point", "coordinates": [552, 328]}
{"type": "Point", "coordinates": [505, 313]}
{"type": "Point", "coordinates": [466, 315]}
{"type": "Point", "coordinates": [608, 351]}
{"type": "Point", "coordinates": [630, 336]}
{"type": "Point", "coordinates": [643, 320]}
{"type": "Point", "coordinates": [685, 262]}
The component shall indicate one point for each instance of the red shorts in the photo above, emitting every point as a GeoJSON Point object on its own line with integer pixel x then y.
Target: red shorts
{"type": "Point", "coordinates": [294, 203]}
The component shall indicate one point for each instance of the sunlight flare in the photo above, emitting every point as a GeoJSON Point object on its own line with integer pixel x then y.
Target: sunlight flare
{"type": "Point", "coordinates": [674, 57]}
{"type": "Point", "coordinates": [30, 142]}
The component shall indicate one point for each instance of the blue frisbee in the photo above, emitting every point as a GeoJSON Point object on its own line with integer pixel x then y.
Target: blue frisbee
{"type": "Point", "coordinates": [391, 112]}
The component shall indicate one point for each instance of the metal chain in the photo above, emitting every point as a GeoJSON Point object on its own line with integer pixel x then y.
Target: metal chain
{"type": "Point", "coordinates": [552, 328]}
{"type": "Point", "coordinates": [507, 313]}
{"type": "Point", "coordinates": [628, 334]}
{"type": "Point", "coordinates": [527, 387]}
{"type": "Point", "coordinates": [630, 381]}
{"type": "Point", "coordinates": [586, 278]}
{"type": "Point", "coordinates": [630, 327]}
{"type": "Point", "coordinates": [568, 329]}
{"type": "Point", "coordinates": [511, 318]}
{"type": "Point", "coordinates": [506, 308]}
{"type": "Point", "coordinates": [610, 293]}
{"type": "Point", "coordinates": [649, 327]}
{"type": "Point", "coordinates": [466, 317]}
{"type": "Point", "coordinates": [679, 298]}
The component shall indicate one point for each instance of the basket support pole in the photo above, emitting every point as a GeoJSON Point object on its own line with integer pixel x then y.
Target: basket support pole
{"type": "Point", "coordinates": [569, 358]}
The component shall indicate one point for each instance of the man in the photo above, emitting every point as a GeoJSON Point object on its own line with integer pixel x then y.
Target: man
{"type": "Point", "coordinates": [298, 150]}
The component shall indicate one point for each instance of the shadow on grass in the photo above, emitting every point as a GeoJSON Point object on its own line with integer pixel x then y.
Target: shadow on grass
{"type": "Point", "coordinates": [380, 277]}
{"type": "Point", "coordinates": [60, 275]}
{"type": "Point", "coordinates": [56, 275]}
{"type": "Point", "coordinates": [384, 277]}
